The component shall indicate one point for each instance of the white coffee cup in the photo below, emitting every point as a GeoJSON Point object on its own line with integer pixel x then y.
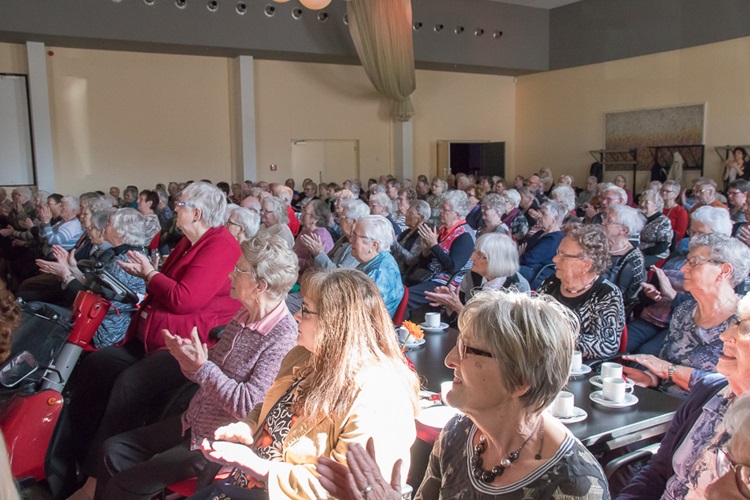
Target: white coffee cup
{"type": "Point", "coordinates": [576, 362]}
{"type": "Point", "coordinates": [564, 406]}
{"type": "Point", "coordinates": [445, 388]}
{"type": "Point", "coordinates": [403, 333]}
{"type": "Point", "coordinates": [614, 389]}
{"type": "Point", "coordinates": [611, 370]}
{"type": "Point", "coordinates": [432, 319]}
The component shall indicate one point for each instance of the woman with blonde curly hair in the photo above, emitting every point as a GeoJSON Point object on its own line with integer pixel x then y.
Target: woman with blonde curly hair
{"type": "Point", "coordinates": [346, 382]}
{"type": "Point", "coordinates": [579, 284]}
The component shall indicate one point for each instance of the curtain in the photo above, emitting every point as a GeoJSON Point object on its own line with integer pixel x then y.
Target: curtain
{"type": "Point", "coordinates": [382, 34]}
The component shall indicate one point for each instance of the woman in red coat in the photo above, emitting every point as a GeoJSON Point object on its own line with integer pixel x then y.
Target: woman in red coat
{"type": "Point", "coordinates": [117, 387]}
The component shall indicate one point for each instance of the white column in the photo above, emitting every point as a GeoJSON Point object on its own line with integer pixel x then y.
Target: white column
{"type": "Point", "coordinates": [246, 125]}
{"type": "Point", "coordinates": [41, 130]}
{"type": "Point", "coordinates": [403, 149]}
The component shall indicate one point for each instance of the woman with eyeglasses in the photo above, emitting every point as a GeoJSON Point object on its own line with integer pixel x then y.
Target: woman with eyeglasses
{"type": "Point", "coordinates": [274, 218]}
{"type": "Point", "coordinates": [504, 444]}
{"type": "Point", "coordinates": [627, 271]}
{"type": "Point", "coordinates": [715, 265]}
{"type": "Point", "coordinates": [243, 224]}
{"type": "Point", "coordinates": [448, 249]}
{"type": "Point", "coordinates": [579, 284]}
{"type": "Point", "coordinates": [537, 252]}
{"type": "Point", "coordinates": [656, 235]}
{"type": "Point", "coordinates": [233, 376]}
{"type": "Point", "coordinates": [494, 265]}
{"type": "Point", "coordinates": [115, 233]}
{"type": "Point", "coordinates": [116, 389]}
{"type": "Point", "coordinates": [346, 382]}
{"type": "Point", "coordinates": [686, 463]}
{"type": "Point", "coordinates": [493, 208]}
{"type": "Point", "coordinates": [733, 460]}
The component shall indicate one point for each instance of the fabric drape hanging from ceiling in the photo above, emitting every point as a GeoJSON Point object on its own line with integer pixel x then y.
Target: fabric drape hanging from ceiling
{"type": "Point", "coordinates": [382, 34]}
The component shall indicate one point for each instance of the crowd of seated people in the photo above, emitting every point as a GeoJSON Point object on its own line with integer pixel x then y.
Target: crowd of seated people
{"type": "Point", "coordinates": [665, 266]}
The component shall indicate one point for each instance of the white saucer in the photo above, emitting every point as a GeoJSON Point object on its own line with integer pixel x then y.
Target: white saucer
{"type": "Point", "coordinates": [583, 371]}
{"type": "Point", "coordinates": [578, 416]}
{"type": "Point", "coordinates": [596, 381]}
{"type": "Point", "coordinates": [437, 416]}
{"type": "Point", "coordinates": [416, 343]}
{"type": "Point", "coordinates": [630, 400]}
{"type": "Point", "coordinates": [424, 326]}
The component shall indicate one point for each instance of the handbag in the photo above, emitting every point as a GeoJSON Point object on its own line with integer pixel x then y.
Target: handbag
{"type": "Point", "coordinates": [417, 276]}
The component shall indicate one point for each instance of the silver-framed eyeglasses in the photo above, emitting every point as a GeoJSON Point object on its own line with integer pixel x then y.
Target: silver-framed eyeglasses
{"type": "Point", "coordinates": [569, 256]}
{"type": "Point", "coordinates": [725, 463]}
{"type": "Point", "coordinates": [241, 271]}
{"type": "Point", "coordinates": [183, 204]}
{"type": "Point", "coordinates": [696, 261]}
{"type": "Point", "coordinates": [743, 326]}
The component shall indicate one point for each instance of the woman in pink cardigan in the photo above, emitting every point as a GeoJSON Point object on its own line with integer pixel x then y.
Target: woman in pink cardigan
{"type": "Point", "coordinates": [233, 377]}
{"type": "Point", "coordinates": [116, 387]}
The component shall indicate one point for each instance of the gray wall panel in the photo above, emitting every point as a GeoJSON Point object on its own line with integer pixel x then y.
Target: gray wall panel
{"type": "Point", "coordinates": [162, 27]}
{"type": "Point", "coordinates": [593, 31]}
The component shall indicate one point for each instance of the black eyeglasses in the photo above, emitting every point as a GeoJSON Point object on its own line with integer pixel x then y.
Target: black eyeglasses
{"type": "Point", "coordinates": [464, 349]}
{"type": "Point", "coordinates": [307, 312]}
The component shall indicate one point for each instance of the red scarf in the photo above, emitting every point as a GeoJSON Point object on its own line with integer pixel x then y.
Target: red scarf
{"type": "Point", "coordinates": [446, 235]}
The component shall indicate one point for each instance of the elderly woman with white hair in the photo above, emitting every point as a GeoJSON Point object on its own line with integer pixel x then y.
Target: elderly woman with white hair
{"type": "Point", "coordinates": [315, 217]}
{"type": "Point", "coordinates": [274, 217]}
{"type": "Point", "coordinates": [656, 235]}
{"type": "Point", "coordinates": [733, 460]}
{"type": "Point", "coordinates": [514, 217]}
{"type": "Point", "coordinates": [407, 249]}
{"type": "Point", "coordinates": [646, 333]}
{"type": "Point", "coordinates": [371, 239]}
{"type": "Point", "coordinates": [494, 265]}
{"type": "Point", "coordinates": [581, 259]}
{"type": "Point", "coordinates": [503, 444]}
{"type": "Point", "coordinates": [621, 223]}
{"type": "Point", "coordinates": [448, 249]}
{"type": "Point", "coordinates": [715, 266]}
{"type": "Point", "coordinates": [493, 209]}
{"type": "Point", "coordinates": [691, 455]}
{"type": "Point", "coordinates": [119, 384]}
{"type": "Point", "coordinates": [381, 204]}
{"type": "Point", "coordinates": [567, 196]}
{"type": "Point", "coordinates": [438, 189]}
{"type": "Point", "coordinates": [243, 223]}
{"type": "Point", "coordinates": [538, 251]}
{"type": "Point", "coordinates": [341, 253]}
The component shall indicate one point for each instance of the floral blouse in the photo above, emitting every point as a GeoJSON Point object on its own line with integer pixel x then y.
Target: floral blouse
{"type": "Point", "coordinates": [690, 345]}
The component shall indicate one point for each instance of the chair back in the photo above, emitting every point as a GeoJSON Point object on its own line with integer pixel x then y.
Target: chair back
{"type": "Point", "coordinates": [398, 316]}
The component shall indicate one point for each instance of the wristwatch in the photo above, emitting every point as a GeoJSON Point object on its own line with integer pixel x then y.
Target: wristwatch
{"type": "Point", "coordinates": [670, 372]}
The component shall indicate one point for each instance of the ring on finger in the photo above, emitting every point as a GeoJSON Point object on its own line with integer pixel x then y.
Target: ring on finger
{"type": "Point", "coordinates": [366, 491]}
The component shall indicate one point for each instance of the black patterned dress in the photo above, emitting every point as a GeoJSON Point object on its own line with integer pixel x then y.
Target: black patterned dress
{"type": "Point", "coordinates": [601, 313]}
{"type": "Point", "coordinates": [571, 474]}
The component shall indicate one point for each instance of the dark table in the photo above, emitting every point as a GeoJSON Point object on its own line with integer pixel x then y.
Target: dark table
{"type": "Point", "coordinates": [604, 429]}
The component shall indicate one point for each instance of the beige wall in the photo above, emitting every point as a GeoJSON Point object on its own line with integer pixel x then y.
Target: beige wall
{"type": "Point", "coordinates": [561, 113]}
{"type": "Point", "coordinates": [462, 107]}
{"type": "Point", "coordinates": [123, 117]}
{"type": "Point", "coordinates": [13, 59]}
{"type": "Point", "coordinates": [322, 101]}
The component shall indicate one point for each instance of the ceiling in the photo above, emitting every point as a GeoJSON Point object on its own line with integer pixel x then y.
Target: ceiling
{"type": "Point", "coordinates": [542, 4]}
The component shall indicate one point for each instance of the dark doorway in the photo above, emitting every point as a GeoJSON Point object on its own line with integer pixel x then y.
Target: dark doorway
{"type": "Point", "coordinates": [478, 158]}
